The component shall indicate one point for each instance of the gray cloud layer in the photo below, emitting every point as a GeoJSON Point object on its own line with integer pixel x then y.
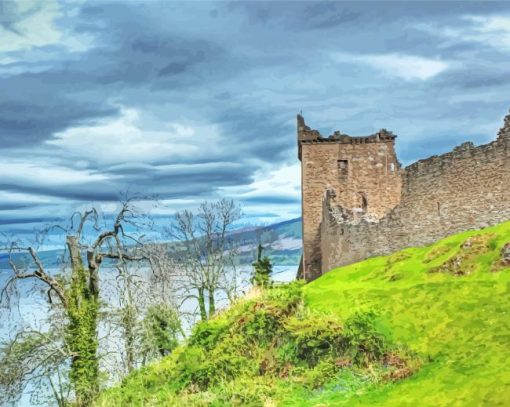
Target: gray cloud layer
{"type": "Point", "coordinates": [213, 89]}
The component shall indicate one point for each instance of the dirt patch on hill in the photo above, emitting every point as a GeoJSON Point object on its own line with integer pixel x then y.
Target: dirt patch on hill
{"type": "Point", "coordinates": [463, 262]}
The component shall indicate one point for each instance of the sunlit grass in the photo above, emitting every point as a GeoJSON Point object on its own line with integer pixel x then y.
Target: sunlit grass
{"type": "Point", "coordinates": [462, 323]}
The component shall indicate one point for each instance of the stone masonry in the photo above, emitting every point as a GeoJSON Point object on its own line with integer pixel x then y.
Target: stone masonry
{"type": "Point", "coordinates": [362, 175]}
{"type": "Point", "coordinates": [358, 202]}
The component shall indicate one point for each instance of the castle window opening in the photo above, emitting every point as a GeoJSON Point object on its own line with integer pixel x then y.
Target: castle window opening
{"type": "Point", "coordinates": [343, 168]}
{"type": "Point", "coordinates": [392, 167]}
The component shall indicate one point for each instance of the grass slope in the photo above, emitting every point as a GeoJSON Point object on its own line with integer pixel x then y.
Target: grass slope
{"type": "Point", "coordinates": [448, 303]}
{"type": "Point", "coordinates": [423, 299]}
{"type": "Point", "coordinates": [264, 351]}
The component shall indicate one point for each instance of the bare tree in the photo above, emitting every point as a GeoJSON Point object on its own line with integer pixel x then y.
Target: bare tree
{"type": "Point", "coordinates": [39, 357]}
{"type": "Point", "coordinates": [139, 289]}
{"type": "Point", "coordinates": [206, 251]}
{"type": "Point", "coordinates": [76, 290]}
{"type": "Point", "coordinates": [166, 274]}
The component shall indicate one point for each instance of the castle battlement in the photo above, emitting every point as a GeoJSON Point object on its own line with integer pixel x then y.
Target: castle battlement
{"type": "Point", "coordinates": [306, 135]}
{"type": "Point", "coordinates": [358, 202]}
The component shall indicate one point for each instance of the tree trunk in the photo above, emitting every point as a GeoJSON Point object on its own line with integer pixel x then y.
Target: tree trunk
{"type": "Point", "coordinates": [201, 304]}
{"type": "Point", "coordinates": [129, 320]}
{"type": "Point", "coordinates": [81, 335]}
{"type": "Point", "coordinates": [212, 303]}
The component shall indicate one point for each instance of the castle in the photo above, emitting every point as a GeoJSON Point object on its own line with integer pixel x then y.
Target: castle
{"type": "Point", "coordinates": [357, 200]}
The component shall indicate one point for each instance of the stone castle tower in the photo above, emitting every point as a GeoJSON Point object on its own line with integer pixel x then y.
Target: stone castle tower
{"type": "Point", "coordinates": [358, 202]}
{"type": "Point", "coordinates": [360, 174]}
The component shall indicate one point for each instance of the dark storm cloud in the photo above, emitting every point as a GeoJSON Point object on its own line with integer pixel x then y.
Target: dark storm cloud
{"type": "Point", "coordinates": [96, 191]}
{"type": "Point", "coordinates": [258, 134]}
{"type": "Point", "coordinates": [477, 76]}
{"type": "Point", "coordinates": [327, 15]}
{"type": "Point", "coordinates": [31, 121]}
{"type": "Point", "coordinates": [483, 81]}
{"type": "Point", "coordinates": [11, 206]}
{"type": "Point", "coordinates": [193, 180]}
{"type": "Point", "coordinates": [10, 220]}
{"type": "Point", "coordinates": [165, 182]}
{"type": "Point", "coordinates": [33, 106]}
{"type": "Point", "coordinates": [137, 48]}
{"type": "Point", "coordinates": [298, 15]}
{"type": "Point", "coordinates": [149, 59]}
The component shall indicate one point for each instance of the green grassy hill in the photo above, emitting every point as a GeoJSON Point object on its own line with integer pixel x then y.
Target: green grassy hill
{"type": "Point", "coordinates": [461, 321]}
{"type": "Point", "coordinates": [442, 309]}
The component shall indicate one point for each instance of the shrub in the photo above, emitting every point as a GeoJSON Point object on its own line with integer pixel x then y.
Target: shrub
{"type": "Point", "coordinates": [189, 367]}
{"type": "Point", "coordinates": [315, 336]}
{"type": "Point", "coordinates": [320, 374]}
{"type": "Point", "coordinates": [162, 328]}
{"type": "Point", "coordinates": [246, 391]}
{"type": "Point", "coordinates": [261, 323]}
{"type": "Point", "coordinates": [287, 297]}
{"type": "Point", "coordinates": [206, 334]}
{"type": "Point", "coordinates": [262, 270]}
{"type": "Point", "coordinates": [364, 343]}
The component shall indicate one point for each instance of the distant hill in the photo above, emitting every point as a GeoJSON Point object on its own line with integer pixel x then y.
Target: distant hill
{"type": "Point", "coordinates": [281, 241]}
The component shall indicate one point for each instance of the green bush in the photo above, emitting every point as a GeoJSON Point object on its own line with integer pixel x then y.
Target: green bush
{"type": "Point", "coordinates": [206, 334]}
{"type": "Point", "coordinates": [191, 367]}
{"type": "Point", "coordinates": [364, 344]}
{"type": "Point", "coordinates": [260, 323]}
{"type": "Point", "coordinates": [320, 374]}
{"type": "Point", "coordinates": [162, 327]}
{"type": "Point", "coordinates": [245, 391]}
{"type": "Point", "coordinates": [288, 297]}
{"type": "Point", "coordinates": [262, 270]}
{"type": "Point", "coordinates": [314, 336]}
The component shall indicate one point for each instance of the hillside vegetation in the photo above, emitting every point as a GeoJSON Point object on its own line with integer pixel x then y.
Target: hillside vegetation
{"type": "Point", "coordinates": [423, 327]}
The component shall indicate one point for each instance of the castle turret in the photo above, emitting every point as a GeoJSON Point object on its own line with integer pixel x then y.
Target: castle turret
{"type": "Point", "coordinates": [361, 173]}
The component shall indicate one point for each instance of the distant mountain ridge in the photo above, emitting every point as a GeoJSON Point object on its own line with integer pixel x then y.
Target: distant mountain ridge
{"type": "Point", "coordinates": [281, 241]}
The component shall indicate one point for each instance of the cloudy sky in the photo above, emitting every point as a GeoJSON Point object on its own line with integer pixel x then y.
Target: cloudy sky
{"type": "Point", "coordinates": [197, 100]}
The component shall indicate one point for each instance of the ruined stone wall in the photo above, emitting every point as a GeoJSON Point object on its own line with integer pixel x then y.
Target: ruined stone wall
{"type": "Point", "coordinates": [364, 174]}
{"type": "Point", "coordinates": [468, 188]}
